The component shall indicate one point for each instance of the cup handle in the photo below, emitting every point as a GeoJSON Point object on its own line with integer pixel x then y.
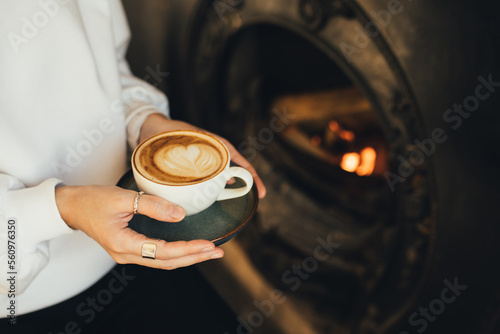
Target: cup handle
{"type": "Point", "coordinates": [241, 173]}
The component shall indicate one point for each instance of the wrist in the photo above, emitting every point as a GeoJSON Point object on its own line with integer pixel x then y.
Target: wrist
{"type": "Point", "coordinates": [64, 200]}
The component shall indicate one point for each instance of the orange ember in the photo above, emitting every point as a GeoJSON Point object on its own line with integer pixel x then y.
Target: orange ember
{"type": "Point", "coordinates": [368, 157]}
{"type": "Point", "coordinates": [363, 164]}
{"type": "Point", "coordinates": [350, 162]}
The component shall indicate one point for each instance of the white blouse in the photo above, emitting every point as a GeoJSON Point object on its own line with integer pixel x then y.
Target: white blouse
{"type": "Point", "coordinates": [68, 106]}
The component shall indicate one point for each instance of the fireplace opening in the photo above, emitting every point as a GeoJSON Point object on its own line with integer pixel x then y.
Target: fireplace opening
{"type": "Point", "coordinates": [309, 119]}
{"type": "Point", "coordinates": [321, 143]}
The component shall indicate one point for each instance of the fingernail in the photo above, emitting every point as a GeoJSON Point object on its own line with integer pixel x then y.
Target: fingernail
{"type": "Point", "coordinates": [176, 212]}
{"type": "Point", "coordinates": [207, 249]}
{"type": "Point", "coordinates": [216, 256]}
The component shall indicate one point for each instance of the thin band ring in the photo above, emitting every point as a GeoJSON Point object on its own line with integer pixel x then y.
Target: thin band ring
{"type": "Point", "coordinates": [136, 202]}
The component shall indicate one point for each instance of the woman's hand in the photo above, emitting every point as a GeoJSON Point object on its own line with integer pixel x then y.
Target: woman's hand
{"type": "Point", "coordinates": [103, 213]}
{"type": "Point", "coordinates": [157, 123]}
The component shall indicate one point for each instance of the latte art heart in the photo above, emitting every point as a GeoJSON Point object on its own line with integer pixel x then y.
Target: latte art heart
{"type": "Point", "coordinates": [181, 158]}
{"type": "Point", "coordinates": [195, 160]}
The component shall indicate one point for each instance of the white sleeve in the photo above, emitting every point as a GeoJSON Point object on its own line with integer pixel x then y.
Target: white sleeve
{"type": "Point", "coordinates": [139, 98]}
{"type": "Point", "coordinates": [34, 214]}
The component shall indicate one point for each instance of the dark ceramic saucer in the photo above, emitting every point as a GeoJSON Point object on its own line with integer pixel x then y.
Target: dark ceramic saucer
{"type": "Point", "coordinates": [219, 223]}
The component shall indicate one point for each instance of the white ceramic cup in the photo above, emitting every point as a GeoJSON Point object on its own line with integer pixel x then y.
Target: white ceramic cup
{"type": "Point", "coordinates": [197, 197]}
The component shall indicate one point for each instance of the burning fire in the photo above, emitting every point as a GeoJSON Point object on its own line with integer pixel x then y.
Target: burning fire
{"type": "Point", "coordinates": [362, 163]}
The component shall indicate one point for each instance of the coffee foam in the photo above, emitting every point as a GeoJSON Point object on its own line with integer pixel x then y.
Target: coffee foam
{"type": "Point", "coordinates": [181, 158]}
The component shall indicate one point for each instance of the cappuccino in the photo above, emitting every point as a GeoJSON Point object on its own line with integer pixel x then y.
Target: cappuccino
{"type": "Point", "coordinates": [180, 158]}
{"type": "Point", "coordinates": [188, 168]}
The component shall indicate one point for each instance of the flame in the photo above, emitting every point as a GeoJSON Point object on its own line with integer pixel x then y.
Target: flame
{"type": "Point", "coordinates": [368, 157]}
{"type": "Point", "coordinates": [350, 162]}
{"type": "Point", "coordinates": [346, 135]}
{"type": "Point", "coordinates": [363, 163]}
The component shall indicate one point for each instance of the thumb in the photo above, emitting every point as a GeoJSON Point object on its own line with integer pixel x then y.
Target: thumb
{"type": "Point", "coordinates": [160, 209]}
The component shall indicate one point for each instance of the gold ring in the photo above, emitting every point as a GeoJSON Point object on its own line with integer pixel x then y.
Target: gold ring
{"type": "Point", "coordinates": [136, 202]}
{"type": "Point", "coordinates": [149, 250]}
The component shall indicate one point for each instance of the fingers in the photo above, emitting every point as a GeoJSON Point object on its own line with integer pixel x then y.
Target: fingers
{"type": "Point", "coordinates": [187, 259]}
{"type": "Point", "coordinates": [104, 213]}
{"type": "Point", "coordinates": [171, 250]}
{"type": "Point", "coordinates": [160, 209]}
{"type": "Point", "coordinates": [169, 255]}
{"type": "Point", "coordinates": [184, 261]}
